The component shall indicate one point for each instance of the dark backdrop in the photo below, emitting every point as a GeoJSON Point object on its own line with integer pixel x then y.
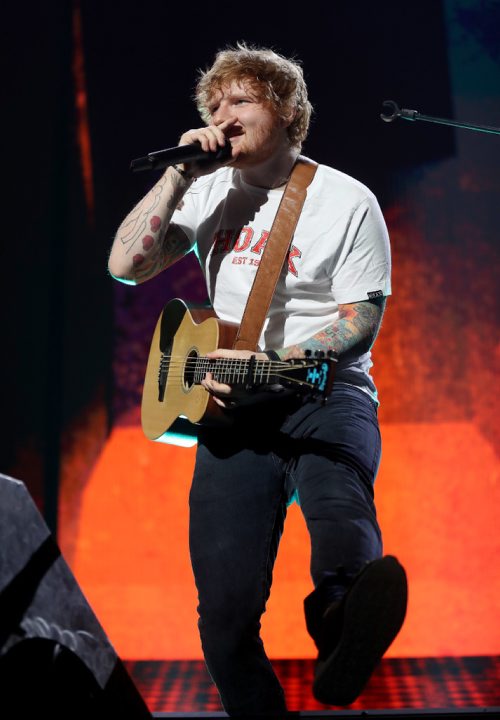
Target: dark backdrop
{"type": "Point", "coordinates": [65, 327]}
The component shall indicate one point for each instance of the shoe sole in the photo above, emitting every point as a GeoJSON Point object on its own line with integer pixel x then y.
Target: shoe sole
{"type": "Point", "coordinates": [374, 611]}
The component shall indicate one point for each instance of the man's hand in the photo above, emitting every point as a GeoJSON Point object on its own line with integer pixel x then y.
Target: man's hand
{"type": "Point", "coordinates": [224, 395]}
{"type": "Point", "coordinates": [210, 138]}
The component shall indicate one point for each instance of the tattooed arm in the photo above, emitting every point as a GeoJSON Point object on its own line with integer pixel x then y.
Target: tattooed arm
{"type": "Point", "coordinates": [146, 243]}
{"type": "Point", "coordinates": [350, 336]}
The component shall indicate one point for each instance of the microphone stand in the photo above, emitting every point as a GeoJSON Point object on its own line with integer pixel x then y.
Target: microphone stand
{"type": "Point", "coordinates": [393, 112]}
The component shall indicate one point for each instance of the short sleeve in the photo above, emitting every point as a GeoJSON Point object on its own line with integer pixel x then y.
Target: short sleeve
{"type": "Point", "coordinates": [185, 216]}
{"type": "Point", "coordinates": [364, 269]}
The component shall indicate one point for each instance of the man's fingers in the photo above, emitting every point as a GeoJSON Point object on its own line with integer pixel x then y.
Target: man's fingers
{"type": "Point", "coordinates": [210, 138]}
{"type": "Point", "coordinates": [225, 124]}
{"type": "Point", "coordinates": [214, 387]}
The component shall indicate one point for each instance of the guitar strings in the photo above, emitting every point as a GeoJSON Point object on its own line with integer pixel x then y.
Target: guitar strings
{"type": "Point", "coordinates": [273, 364]}
{"type": "Point", "coordinates": [180, 376]}
{"type": "Point", "coordinates": [232, 367]}
{"type": "Point", "coordinates": [231, 370]}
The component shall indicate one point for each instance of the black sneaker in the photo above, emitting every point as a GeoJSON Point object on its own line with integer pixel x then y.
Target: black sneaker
{"type": "Point", "coordinates": [358, 630]}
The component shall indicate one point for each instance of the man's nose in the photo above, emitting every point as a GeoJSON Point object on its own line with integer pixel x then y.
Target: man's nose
{"type": "Point", "coordinates": [223, 112]}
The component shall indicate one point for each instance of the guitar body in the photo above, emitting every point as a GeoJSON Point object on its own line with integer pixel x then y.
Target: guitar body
{"type": "Point", "coordinates": [182, 334]}
{"type": "Point", "coordinates": [177, 364]}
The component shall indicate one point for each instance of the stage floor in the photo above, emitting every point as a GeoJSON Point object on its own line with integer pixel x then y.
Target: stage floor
{"type": "Point", "coordinates": [405, 683]}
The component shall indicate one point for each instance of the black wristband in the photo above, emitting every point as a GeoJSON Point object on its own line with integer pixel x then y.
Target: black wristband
{"type": "Point", "coordinates": [272, 355]}
{"type": "Point", "coordinates": [183, 173]}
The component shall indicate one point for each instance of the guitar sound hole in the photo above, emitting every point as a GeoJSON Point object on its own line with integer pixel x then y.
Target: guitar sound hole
{"type": "Point", "coordinates": [190, 369]}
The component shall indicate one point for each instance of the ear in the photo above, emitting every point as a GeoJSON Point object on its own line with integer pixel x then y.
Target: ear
{"type": "Point", "coordinates": [288, 118]}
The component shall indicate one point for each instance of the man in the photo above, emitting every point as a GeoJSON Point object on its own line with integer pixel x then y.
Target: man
{"type": "Point", "coordinates": [330, 296]}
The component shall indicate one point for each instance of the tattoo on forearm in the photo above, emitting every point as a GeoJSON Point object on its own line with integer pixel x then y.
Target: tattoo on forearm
{"type": "Point", "coordinates": [352, 334]}
{"type": "Point", "coordinates": [143, 224]}
{"type": "Point", "coordinates": [136, 227]}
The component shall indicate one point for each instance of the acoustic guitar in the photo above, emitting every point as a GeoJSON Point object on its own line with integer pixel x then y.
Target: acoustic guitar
{"type": "Point", "coordinates": [177, 364]}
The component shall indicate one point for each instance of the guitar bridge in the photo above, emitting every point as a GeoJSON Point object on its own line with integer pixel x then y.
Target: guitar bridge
{"type": "Point", "coordinates": [162, 375]}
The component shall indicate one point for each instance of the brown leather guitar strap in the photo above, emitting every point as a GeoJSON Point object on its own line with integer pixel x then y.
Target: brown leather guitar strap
{"type": "Point", "coordinates": [274, 255]}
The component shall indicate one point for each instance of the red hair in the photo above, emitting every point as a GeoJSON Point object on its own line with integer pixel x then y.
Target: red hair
{"type": "Point", "coordinates": [274, 78]}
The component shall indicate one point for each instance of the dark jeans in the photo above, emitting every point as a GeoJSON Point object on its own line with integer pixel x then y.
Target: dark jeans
{"type": "Point", "coordinates": [244, 478]}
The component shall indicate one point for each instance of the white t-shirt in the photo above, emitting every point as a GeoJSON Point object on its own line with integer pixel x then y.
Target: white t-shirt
{"type": "Point", "coordinates": [339, 254]}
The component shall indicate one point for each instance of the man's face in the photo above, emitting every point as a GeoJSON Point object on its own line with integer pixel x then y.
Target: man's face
{"type": "Point", "coordinates": [256, 133]}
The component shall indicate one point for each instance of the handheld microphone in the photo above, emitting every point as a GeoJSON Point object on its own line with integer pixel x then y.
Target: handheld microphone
{"type": "Point", "coordinates": [180, 154]}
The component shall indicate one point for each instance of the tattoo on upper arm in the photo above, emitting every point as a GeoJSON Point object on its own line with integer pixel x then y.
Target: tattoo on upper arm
{"type": "Point", "coordinates": [364, 316]}
{"type": "Point", "coordinates": [175, 244]}
{"type": "Point", "coordinates": [172, 247]}
{"type": "Point", "coordinates": [354, 331]}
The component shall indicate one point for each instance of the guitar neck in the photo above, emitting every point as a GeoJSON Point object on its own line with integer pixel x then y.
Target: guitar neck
{"type": "Point", "coordinates": [236, 371]}
{"type": "Point", "coordinates": [313, 374]}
